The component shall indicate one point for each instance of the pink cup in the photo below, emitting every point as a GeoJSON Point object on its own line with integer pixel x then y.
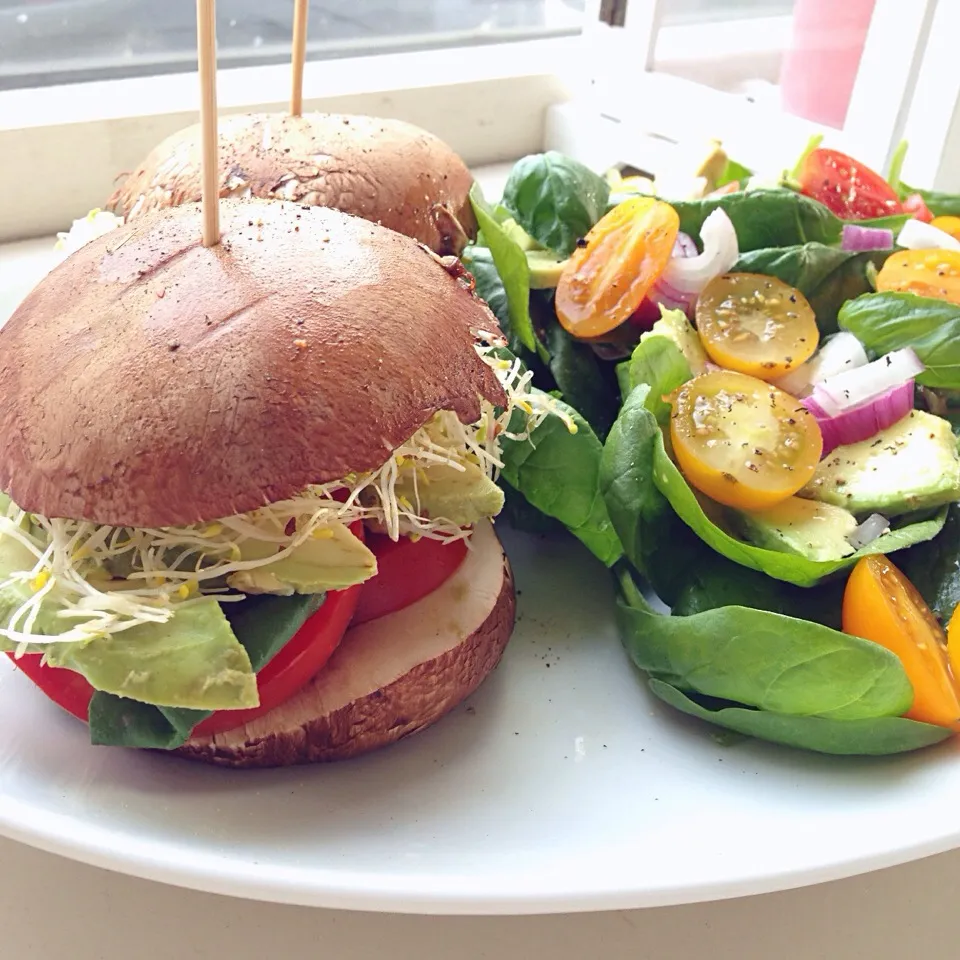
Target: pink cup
{"type": "Point", "coordinates": [819, 69]}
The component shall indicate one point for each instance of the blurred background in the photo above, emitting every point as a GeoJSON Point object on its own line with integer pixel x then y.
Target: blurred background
{"type": "Point", "coordinates": [45, 42]}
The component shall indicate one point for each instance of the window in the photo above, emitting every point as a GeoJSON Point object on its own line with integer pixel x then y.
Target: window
{"type": "Point", "coordinates": [60, 41]}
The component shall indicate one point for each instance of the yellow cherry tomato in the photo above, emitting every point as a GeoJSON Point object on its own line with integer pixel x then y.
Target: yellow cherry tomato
{"type": "Point", "coordinates": [949, 225]}
{"type": "Point", "coordinates": [607, 277]}
{"type": "Point", "coordinates": [882, 605]}
{"type": "Point", "coordinates": [927, 273]}
{"type": "Point", "coordinates": [756, 325]}
{"type": "Point", "coordinates": [742, 441]}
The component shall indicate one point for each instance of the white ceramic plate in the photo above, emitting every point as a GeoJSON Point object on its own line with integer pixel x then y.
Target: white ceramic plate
{"type": "Point", "coordinates": [562, 785]}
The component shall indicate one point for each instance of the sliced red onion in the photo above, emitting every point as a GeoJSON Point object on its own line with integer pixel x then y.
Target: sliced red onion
{"type": "Point", "coordinates": [684, 246]}
{"type": "Point", "coordinates": [876, 525]}
{"type": "Point", "coordinates": [837, 354]}
{"type": "Point", "coordinates": [850, 390]}
{"type": "Point", "coordinates": [689, 275]}
{"type": "Point", "coordinates": [663, 293]}
{"type": "Point", "coordinates": [857, 238]}
{"type": "Point", "coordinates": [917, 235]}
{"type": "Point", "coordinates": [863, 422]}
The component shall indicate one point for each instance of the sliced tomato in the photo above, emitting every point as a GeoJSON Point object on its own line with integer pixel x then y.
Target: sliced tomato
{"type": "Point", "coordinates": [65, 688]}
{"type": "Point", "coordinates": [756, 325]}
{"type": "Point", "coordinates": [927, 273]}
{"type": "Point", "coordinates": [882, 605]}
{"type": "Point", "coordinates": [917, 207]}
{"type": "Point", "coordinates": [606, 279]}
{"type": "Point", "coordinates": [847, 187]}
{"type": "Point", "coordinates": [407, 571]}
{"type": "Point", "coordinates": [742, 441]}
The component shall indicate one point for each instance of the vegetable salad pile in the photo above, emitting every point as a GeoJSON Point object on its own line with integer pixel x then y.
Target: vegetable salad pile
{"type": "Point", "coordinates": [764, 381]}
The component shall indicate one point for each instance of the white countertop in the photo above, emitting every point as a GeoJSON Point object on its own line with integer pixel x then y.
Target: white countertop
{"type": "Point", "coordinates": [52, 908]}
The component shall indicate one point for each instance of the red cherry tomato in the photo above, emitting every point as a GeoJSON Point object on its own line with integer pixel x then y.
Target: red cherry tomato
{"type": "Point", "coordinates": [916, 206]}
{"type": "Point", "coordinates": [846, 187]}
{"type": "Point", "coordinates": [407, 571]}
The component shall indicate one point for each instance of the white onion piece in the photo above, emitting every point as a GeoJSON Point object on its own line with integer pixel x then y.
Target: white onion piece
{"type": "Point", "coordinates": [917, 235]}
{"type": "Point", "coordinates": [684, 246]}
{"type": "Point", "coordinates": [845, 391]}
{"type": "Point", "coordinates": [720, 253]}
{"type": "Point", "coordinates": [873, 527]}
{"type": "Point", "coordinates": [837, 354]}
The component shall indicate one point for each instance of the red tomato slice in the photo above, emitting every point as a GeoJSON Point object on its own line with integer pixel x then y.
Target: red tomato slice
{"type": "Point", "coordinates": [846, 187]}
{"type": "Point", "coordinates": [64, 687]}
{"type": "Point", "coordinates": [916, 206]}
{"type": "Point", "coordinates": [407, 571]}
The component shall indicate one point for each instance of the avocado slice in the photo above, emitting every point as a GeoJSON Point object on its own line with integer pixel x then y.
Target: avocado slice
{"type": "Point", "coordinates": [461, 496]}
{"type": "Point", "coordinates": [674, 325]}
{"type": "Point", "coordinates": [332, 558]}
{"type": "Point", "coordinates": [912, 465]}
{"type": "Point", "coordinates": [519, 236]}
{"type": "Point", "coordinates": [808, 528]}
{"type": "Point", "coordinates": [545, 269]}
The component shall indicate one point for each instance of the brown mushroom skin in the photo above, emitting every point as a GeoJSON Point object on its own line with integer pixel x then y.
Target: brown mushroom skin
{"type": "Point", "coordinates": [151, 381]}
{"type": "Point", "coordinates": [386, 171]}
{"type": "Point", "coordinates": [390, 677]}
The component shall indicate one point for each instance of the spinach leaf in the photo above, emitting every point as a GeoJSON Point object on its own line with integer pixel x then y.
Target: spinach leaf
{"type": "Point", "coordinates": [940, 204]}
{"type": "Point", "coordinates": [586, 384]}
{"type": "Point", "coordinates": [658, 363]}
{"type": "Point", "coordinates": [764, 218]}
{"type": "Point", "coordinates": [263, 624]}
{"type": "Point", "coordinates": [511, 264]}
{"type": "Point", "coordinates": [558, 473]}
{"type": "Point", "coordinates": [934, 567]}
{"type": "Point", "coordinates": [764, 660]}
{"type": "Point", "coordinates": [520, 514]}
{"type": "Point", "coordinates": [783, 566]}
{"type": "Point", "coordinates": [710, 581]}
{"type": "Point", "coordinates": [555, 199]}
{"type": "Point", "coordinates": [888, 321]}
{"type": "Point", "coordinates": [643, 488]}
{"type": "Point", "coordinates": [877, 736]}
{"type": "Point", "coordinates": [826, 276]}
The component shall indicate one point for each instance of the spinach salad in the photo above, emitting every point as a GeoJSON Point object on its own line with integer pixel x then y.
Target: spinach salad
{"type": "Point", "coordinates": [760, 399]}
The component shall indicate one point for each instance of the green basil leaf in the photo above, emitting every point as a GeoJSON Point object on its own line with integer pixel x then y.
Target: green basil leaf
{"type": "Point", "coordinates": [555, 199]}
{"type": "Point", "coordinates": [764, 660]}
{"type": "Point", "coordinates": [876, 736]}
{"type": "Point", "coordinates": [890, 321]}
{"type": "Point", "coordinates": [826, 276]}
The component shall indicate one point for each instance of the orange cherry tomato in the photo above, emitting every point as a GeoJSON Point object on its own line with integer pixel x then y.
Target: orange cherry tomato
{"type": "Point", "coordinates": [927, 273]}
{"type": "Point", "coordinates": [756, 324]}
{"type": "Point", "coordinates": [882, 605]}
{"type": "Point", "coordinates": [606, 278]}
{"type": "Point", "coordinates": [742, 441]}
{"type": "Point", "coordinates": [947, 224]}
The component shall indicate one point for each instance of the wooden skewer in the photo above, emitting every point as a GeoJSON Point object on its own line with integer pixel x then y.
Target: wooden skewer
{"type": "Point", "coordinates": [299, 55]}
{"type": "Point", "coordinates": [207, 66]}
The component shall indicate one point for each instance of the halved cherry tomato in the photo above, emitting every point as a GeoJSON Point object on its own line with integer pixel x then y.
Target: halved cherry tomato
{"type": "Point", "coordinates": [407, 571]}
{"type": "Point", "coordinates": [917, 207]}
{"type": "Point", "coordinates": [882, 605]}
{"type": "Point", "coordinates": [947, 224]}
{"type": "Point", "coordinates": [741, 441]}
{"type": "Point", "coordinates": [756, 324]}
{"type": "Point", "coordinates": [927, 273]}
{"type": "Point", "coordinates": [845, 186]}
{"type": "Point", "coordinates": [607, 277]}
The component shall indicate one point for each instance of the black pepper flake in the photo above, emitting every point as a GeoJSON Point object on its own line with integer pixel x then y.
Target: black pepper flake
{"type": "Point", "coordinates": [581, 242]}
{"type": "Point", "coordinates": [173, 345]}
